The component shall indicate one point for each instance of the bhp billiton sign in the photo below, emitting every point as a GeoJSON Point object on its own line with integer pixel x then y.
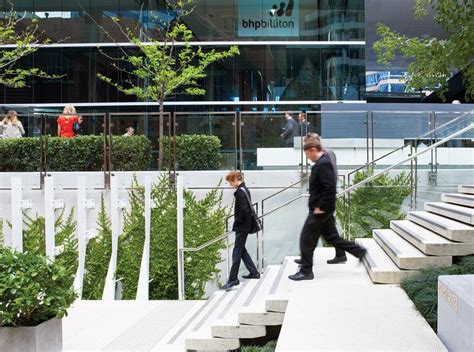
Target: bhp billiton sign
{"type": "Point", "coordinates": [268, 18]}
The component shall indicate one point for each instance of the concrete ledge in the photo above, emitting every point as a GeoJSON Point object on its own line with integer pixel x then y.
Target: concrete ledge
{"type": "Point", "coordinates": [210, 344]}
{"type": "Point", "coordinates": [456, 312]}
{"type": "Point", "coordinates": [276, 305]}
{"type": "Point", "coordinates": [262, 318]}
{"type": "Point", "coordinates": [238, 331]}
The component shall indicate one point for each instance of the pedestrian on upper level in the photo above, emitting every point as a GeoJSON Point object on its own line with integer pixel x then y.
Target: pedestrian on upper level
{"type": "Point", "coordinates": [11, 127]}
{"type": "Point", "coordinates": [302, 124]}
{"type": "Point", "coordinates": [290, 130]}
{"type": "Point", "coordinates": [69, 123]}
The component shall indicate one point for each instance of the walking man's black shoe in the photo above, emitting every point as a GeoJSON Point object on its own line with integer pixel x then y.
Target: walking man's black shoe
{"type": "Point", "coordinates": [230, 284]}
{"type": "Point", "coordinates": [337, 260]}
{"type": "Point", "coordinates": [298, 261]}
{"type": "Point", "coordinates": [251, 276]}
{"type": "Point", "coordinates": [301, 276]}
{"type": "Point", "coordinates": [362, 254]}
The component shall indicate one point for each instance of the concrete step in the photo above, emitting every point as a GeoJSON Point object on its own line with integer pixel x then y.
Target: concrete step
{"type": "Point", "coordinates": [193, 322]}
{"type": "Point", "coordinates": [279, 294]}
{"type": "Point", "coordinates": [452, 211]}
{"type": "Point", "coordinates": [253, 310]}
{"type": "Point", "coordinates": [226, 324]}
{"type": "Point", "coordinates": [466, 200]}
{"type": "Point", "coordinates": [468, 189]}
{"type": "Point", "coordinates": [448, 228]}
{"type": "Point", "coordinates": [428, 241]}
{"type": "Point", "coordinates": [404, 254]}
{"type": "Point", "coordinates": [380, 267]}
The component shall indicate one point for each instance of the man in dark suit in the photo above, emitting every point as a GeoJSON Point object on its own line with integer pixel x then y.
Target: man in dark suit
{"type": "Point", "coordinates": [291, 130]}
{"type": "Point", "coordinates": [242, 225]}
{"type": "Point", "coordinates": [322, 204]}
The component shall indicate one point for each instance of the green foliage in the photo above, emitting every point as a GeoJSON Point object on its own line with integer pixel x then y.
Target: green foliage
{"type": "Point", "coordinates": [98, 252]}
{"type": "Point", "coordinates": [130, 153]}
{"type": "Point", "coordinates": [82, 153]}
{"type": "Point", "coordinates": [131, 241]}
{"type": "Point", "coordinates": [194, 152]}
{"type": "Point", "coordinates": [34, 237]}
{"type": "Point", "coordinates": [433, 59]}
{"type": "Point", "coordinates": [269, 347]}
{"type": "Point", "coordinates": [422, 288]}
{"type": "Point", "coordinates": [2, 239]}
{"type": "Point", "coordinates": [203, 220]}
{"type": "Point", "coordinates": [22, 33]}
{"type": "Point", "coordinates": [373, 205]}
{"type": "Point", "coordinates": [32, 290]}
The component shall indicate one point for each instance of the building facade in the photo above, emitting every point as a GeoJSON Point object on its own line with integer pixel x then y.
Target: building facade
{"type": "Point", "coordinates": [290, 51]}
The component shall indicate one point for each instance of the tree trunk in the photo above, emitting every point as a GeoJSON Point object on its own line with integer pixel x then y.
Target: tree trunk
{"type": "Point", "coordinates": [160, 137]}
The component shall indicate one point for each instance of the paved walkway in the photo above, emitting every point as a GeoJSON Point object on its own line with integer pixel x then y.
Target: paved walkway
{"type": "Point", "coordinates": [341, 310]}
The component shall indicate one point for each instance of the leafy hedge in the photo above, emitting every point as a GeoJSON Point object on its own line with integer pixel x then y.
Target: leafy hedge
{"type": "Point", "coordinates": [422, 288]}
{"type": "Point", "coordinates": [194, 152]}
{"type": "Point", "coordinates": [82, 153]}
{"type": "Point", "coordinates": [375, 204]}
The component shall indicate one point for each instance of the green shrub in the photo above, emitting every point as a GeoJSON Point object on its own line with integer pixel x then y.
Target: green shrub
{"type": "Point", "coordinates": [130, 153]}
{"type": "Point", "coordinates": [422, 288]}
{"type": "Point", "coordinates": [269, 347]}
{"type": "Point", "coordinates": [98, 252]}
{"type": "Point", "coordinates": [34, 236]}
{"type": "Point", "coordinates": [194, 152]}
{"type": "Point", "coordinates": [375, 204]}
{"type": "Point", "coordinates": [82, 153]}
{"type": "Point", "coordinates": [32, 290]}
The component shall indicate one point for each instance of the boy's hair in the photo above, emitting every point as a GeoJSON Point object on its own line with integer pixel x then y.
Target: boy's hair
{"type": "Point", "coordinates": [234, 175]}
{"type": "Point", "coordinates": [312, 143]}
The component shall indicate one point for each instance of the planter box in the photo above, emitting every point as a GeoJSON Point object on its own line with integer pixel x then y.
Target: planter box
{"type": "Point", "coordinates": [47, 336]}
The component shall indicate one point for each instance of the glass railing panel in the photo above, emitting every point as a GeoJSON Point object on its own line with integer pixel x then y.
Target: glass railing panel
{"type": "Point", "coordinates": [262, 144]}
{"type": "Point", "coordinates": [218, 124]}
{"type": "Point", "coordinates": [282, 229]}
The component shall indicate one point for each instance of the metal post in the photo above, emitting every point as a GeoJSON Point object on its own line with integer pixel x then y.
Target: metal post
{"type": "Point", "coordinates": [367, 137]}
{"type": "Point", "coordinates": [412, 183]}
{"type": "Point", "coordinates": [373, 134]}
{"type": "Point", "coordinates": [415, 195]}
{"type": "Point", "coordinates": [180, 235]}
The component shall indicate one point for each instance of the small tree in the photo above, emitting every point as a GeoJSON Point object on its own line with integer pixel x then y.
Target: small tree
{"type": "Point", "coordinates": [434, 59]}
{"type": "Point", "coordinates": [23, 40]}
{"type": "Point", "coordinates": [166, 66]}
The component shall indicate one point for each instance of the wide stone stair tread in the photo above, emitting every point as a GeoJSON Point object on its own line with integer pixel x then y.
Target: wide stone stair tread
{"type": "Point", "coordinates": [279, 294]}
{"type": "Point", "coordinates": [466, 200]}
{"type": "Point", "coordinates": [404, 254]}
{"type": "Point", "coordinates": [226, 324]}
{"type": "Point", "coordinates": [452, 211]}
{"type": "Point", "coordinates": [380, 267]}
{"type": "Point", "coordinates": [446, 227]}
{"type": "Point", "coordinates": [428, 241]}
{"type": "Point", "coordinates": [194, 322]}
{"type": "Point", "coordinates": [468, 189]}
{"type": "Point", "coordinates": [253, 310]}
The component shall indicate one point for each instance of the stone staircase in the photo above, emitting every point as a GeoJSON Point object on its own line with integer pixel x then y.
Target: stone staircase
{"type": "Point", "coordinates": [426, 238]}
{"type": "Point", "coordinates": [229, 318]}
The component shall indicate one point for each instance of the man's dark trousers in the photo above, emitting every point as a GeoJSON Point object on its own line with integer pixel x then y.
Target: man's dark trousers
{"type": "Point", "coordinates": [240, 252]}
{"type": "Point", "coordinates": [315, 226]}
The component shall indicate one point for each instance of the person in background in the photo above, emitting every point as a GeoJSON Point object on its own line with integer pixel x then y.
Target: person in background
{"type": "Point", "coordinates": [290, 130]}
{"type": "Point", "coordinates": [11, 127]}
{"type": "Point", "coordinates": [242, 226]}
{"type": "Point", "coordinates": [129, 131]}
{"type": "Point", "coordinates": [302, 124]}
{"type": "Point", "coordinates": [66, 122]}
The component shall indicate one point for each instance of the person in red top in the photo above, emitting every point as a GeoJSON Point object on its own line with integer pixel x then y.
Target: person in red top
{"type": "Point", "coordinates": [66, 122]}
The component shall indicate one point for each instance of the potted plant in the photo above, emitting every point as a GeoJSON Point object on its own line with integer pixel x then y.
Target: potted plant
{"type": "Point", "coordinates": [34, 295]}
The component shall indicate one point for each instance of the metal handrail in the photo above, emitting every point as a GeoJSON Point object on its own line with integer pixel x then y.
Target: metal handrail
{"type": "Point", "coordinates": [442, 126]}
{"type": "Point", "coordinates": [207, 244]}
{"type": "Point", "coordinates": [411, 157]}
